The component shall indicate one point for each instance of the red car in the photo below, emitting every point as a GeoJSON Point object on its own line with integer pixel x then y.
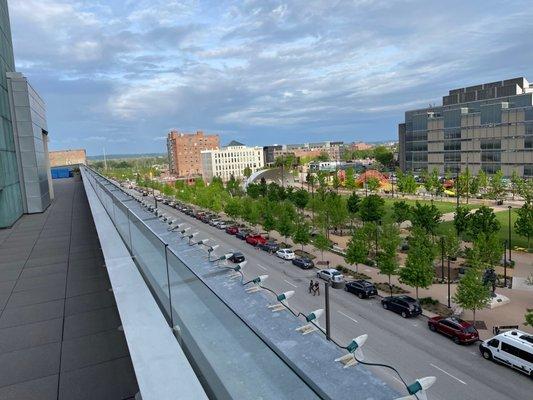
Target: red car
{"type": "Point", "coordinates": [254, 240]}
{"type": "Point", "coordinates": [232, 230]}
{"type": "Point", "coordinates": [460, 331]}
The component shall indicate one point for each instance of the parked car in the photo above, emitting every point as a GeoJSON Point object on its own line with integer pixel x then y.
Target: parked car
{"type": "Point", "coordinates": [457, 329]}
{"type": "Point", "coordinates": [330, 275]}
{"type": "Point", "coordinates": [406, 306]}
{"type": "Point", "coordinates": [237, 257]}
{"type": "Point", "coordinates": [159, 198]}
{"type": "Point", "coordinates": [144, 193]}
{"type": "Point", "coordinates": [361, 288]}
{"type": "Point", "coordinates": [221, 225]}
{"type": "Point", "coordinates": [214, 221]}
{"type": "Point", "coordinates": [286, 254]}
{"type": "Point", "coordinates": [242, 234]}
{"type": "Point", "coordinates": [304, 263]}
{"type": "Point", "coordinates": [232, 230]}
{"type": "Point", "coordinates": [513, 348]}
{"type": "Point", "coordinates": [270, 246]}
{"type": "Point", "coordinates": [255, 240]}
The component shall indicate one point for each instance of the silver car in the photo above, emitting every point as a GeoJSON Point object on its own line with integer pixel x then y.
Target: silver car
{"type": "Point", "coordinates": [330, 275]}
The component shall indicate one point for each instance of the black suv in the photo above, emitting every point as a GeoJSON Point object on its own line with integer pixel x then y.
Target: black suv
{"type": "Point", "coordinates": [242, 234]}
{"type": "Point", "coordinates": [303, 263]}
{"type": "Point", "coordinates": [406, 306]}
{"type": "Point", "coordinates": [269, 246]}
{"type": "Point", "coordinates": [361, 288]}
{"type": "Point", "coordinates": [237, 257]}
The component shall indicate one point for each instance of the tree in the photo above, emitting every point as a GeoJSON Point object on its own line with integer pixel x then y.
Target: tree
{"type": "Point", "coordinates": [300, 198]}
{"type": "Point", "coordinates": [247, 172]}
{"type": "Point", "coordinates": [285, 226]}
{"type": "Point", "coordinates": [268, 220]}
{"type": "Point", "coordinates": [418, 271]}
{"type": "Point", "coordinates": [357, 250]}
{"type": "Point", "coordinates": [233, 208]}
{"type": "Point", "coordinates": [461, 220]}
{"type": "Point", "coordinates": [253, 190]}
{"type": "Point", "coordinates": [388, 256]}
{"type": "Point", "coordinates": [336, 181]}
{"type": "Point", "coordinates": [516, 182]}
{"type": "Point", "coordinates": [472, 293]}
{"type": "Point", "coordinates": [426, 216]}
{"type": "Point", "coordinates": [250, 211]}
{"type": "Point", "coordinates": [321, 243]}
{"type": "Point", "coordinates": [301, 234]}
{"type": "Point", "coordinates": [452, 244]}
{"type": "Point", "coordinates": [273, 192]}
{"type": "Point", "coordinates": [384, 156]}
{"type": "Point", "coordinates": [524, 223]}
{"type": "Point", "coordinates": [497, 186]}
{"type": "Point", "coordinates": [483, 180]}
{"type": "Point", "coordinates": [525, 189]}
{"type": "Point", "coordinates": [401, 211]}
{"type": "Point", "coordinates": [488, 250]}
{"type": "Point", "coordinates": [349, 180]}
{"type": "Point", "coordinates": [352, 205]}
{"type": "Point", "coordinates": [406, 183]}
{"type": "Point", "coordinates": [371, 208]}
{"type": "Point", "coordinates": [483, 220]}
{"type": "Point", "coordinates": [337, 211]}
{"type": "Point", "coordinates": [372, 184]}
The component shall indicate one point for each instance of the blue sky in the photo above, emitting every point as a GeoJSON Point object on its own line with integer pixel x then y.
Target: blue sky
{"type": "Point", "coordinates": [121, 74]}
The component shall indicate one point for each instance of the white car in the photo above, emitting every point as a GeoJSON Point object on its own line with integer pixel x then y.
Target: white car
{"type": "Point", "coordinates": [330, 275]}
{"type": "Point", "coordinates": [286, 254]}
{"type": "Point", "coordinates": [513, 348]}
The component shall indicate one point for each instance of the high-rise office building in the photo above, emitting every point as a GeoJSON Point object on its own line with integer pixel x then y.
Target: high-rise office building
{"type": "Point", "coordinates": [487, 127]}
{"type": "Point", "coordinates": [231, 160]}
{"type": "Point", "coordinates": [184, 152]}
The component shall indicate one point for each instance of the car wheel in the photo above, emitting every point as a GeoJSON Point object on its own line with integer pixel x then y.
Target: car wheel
{"type": "Point", "coordinates": [360, 295]}
{"type": "Point", "coordinates": [317, 275]}
{"type": "Point", "coordinates": [385, 306]}
{"type": "Point", "coordinates": [487, 355]}
{"type": "Point", "coordinates": [403, 314]}
{"type": "Point", "coordinates": [456, 340]}
{"type": "Point", "coordinates": [432, 328]}
{"type": "Point", "coordinates": [345, 288]}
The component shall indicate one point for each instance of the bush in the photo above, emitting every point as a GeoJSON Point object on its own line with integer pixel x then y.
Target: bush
{"type": "Point", "coordinates": [428, 301]}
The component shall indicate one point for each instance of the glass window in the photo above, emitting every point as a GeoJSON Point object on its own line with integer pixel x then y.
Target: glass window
{"type": "Point", "coordinates": [494, 343]}
{"type": "Point", "coordinates": [452, 133]}
{"type": "Point", "coordinates": [528, 170]}
{"type": "Point", "coordinates": [529, 129]}
{"type": "Point", "coordinates": [452, 145]}
{"type": "Point", "coordinates": [491, 156]}
{"type": "Point", "coordinates": [528, 142]}
{"type": "Point", "coordinates": [452, 157]}
{"type": "Point", "coordinates": [490, 144]}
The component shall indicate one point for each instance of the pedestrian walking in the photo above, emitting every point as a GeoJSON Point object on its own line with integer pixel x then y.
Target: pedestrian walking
{"type": "Point", "coordinates": [317, 288]}
{"type": "Point", "coordinates": [311, 286]}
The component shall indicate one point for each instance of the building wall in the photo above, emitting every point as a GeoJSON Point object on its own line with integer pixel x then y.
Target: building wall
{"type": "Point", "coordinates": [10, 193]}
{"type": "Point", "coordinates": [184, 152]}
{"type": "Point", "coordinates": [61, 158]}
{"type": "Point", "coordinates": [30, 130]}
{"type": "Point", "coordinates": [489, 133]}
{"type": "Point", "coordinates": [231, 160]}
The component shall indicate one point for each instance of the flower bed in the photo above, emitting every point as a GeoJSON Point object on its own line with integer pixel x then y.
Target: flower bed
{"type": "Point", "coordinates": [435, 307]}
{"type": "Point", "coordinates": [384, 287]}
{"type": "Point", "coordinates": [304, 254]}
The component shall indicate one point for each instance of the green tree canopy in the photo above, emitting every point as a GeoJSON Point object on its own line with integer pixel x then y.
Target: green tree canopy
{"type": "Point", "coordinates": [426, 216]}
{"type": "Point", "coordinates": [388, 256]}
{"type": "Point", "coordinates": [371, 208]}
{"type": "Point", "coordinates": [401, 211]}
{"type": "Point", "coordinates": [301, 234]}
{"type": "Point", "coordinates": [524, 223]}
{"type": "Point", "coordinates": [418, 271]}
{"type": "Point", "coordinates": [483, 221]}
{"type": "Point", "coordinates": [357, 250]}
{"type": "Point", "coordinates": [471, 293]}
{"type": "Point", "coordinates": [321, 243]}
{"type": "Point", "coordinates": [461, 220]}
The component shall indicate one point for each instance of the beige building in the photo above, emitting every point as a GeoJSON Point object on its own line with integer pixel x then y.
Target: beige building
{"type": "Point", "coordinates": [487, 127]}
{"type": "Point", "coordinates": [62, 158]}
{"type": "Point", "coordinates": [231, 160]}
{"type": "Point", "coordinates": [332, 149]}
{"type": "Point", "coordinates": [184, 152]}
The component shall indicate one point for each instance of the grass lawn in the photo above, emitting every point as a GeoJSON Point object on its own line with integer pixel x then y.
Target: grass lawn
{"type": "Point", "coordinates": [503, 217]}
{"type": "Point", "coordinates": [443, 206]}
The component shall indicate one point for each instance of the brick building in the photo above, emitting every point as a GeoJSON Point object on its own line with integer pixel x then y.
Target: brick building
{"type": "Point", "coordinates": [184, 151]}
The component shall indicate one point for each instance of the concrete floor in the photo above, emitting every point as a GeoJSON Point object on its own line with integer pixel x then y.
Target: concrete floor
{"type": "Point", "coordinates": [59, 336]}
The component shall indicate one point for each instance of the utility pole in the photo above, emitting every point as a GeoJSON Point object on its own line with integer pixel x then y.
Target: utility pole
{"type": "Point", "coordinates": [457, 186]}
{"type": "Point", "coordinates": [328, 321]}
{"type": "Point", "coordinates": [510, 256]}
{"type": "Point", "coordinates": [105, 161]}
{"type": "Point", "coordinates": [449, 304]}
{"type": "Point", "coordinates": [442, 257]}
{"type": "Point", "coordinates": [505, 263]}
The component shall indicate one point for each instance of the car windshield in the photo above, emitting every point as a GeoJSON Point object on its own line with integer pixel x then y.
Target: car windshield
{"type": "Point", "coordinates": [237, 254]}
{"type": "Point", "coordinates": [469, 329]}
{"type": "Point", "coordinates": [335, 273]}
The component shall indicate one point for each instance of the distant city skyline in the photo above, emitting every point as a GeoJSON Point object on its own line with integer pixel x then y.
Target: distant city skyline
{"type": "Point", "coordinates": [122, 74]}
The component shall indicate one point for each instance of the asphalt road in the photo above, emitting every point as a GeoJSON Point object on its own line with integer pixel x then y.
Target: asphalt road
{"type": "Point", "coordinates": [407, 344]}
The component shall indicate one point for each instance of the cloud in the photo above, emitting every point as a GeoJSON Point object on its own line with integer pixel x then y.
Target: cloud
{"type": "Point", "coordinates": [261, 70]}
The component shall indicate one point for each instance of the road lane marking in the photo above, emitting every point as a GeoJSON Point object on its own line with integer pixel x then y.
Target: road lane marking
{"type": "Point", "coordinates": [347, 316]}
{"type": "Point", "coordinates": [292, 284]}
{"type": "Point", "coordinates": [260, 266]}
{"type": "Point", "coordinates": [447, 373]}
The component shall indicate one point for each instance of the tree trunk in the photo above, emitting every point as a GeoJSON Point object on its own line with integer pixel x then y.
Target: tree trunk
{"type": "Point", "coordinates": [474, 317]}
{"type": "Point", "coordinates": [390, 286]}
{"type": "Point", "coordinates": [416, 292]}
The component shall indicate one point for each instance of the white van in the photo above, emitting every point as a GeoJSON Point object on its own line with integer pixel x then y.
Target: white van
{"type": "Point", "coordinates": [513, 348]}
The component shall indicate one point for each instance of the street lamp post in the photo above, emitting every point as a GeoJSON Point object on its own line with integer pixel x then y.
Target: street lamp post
{"type": "Point", "coordinates": [505, 263]}
{"type": "Point", "coordinates": [510, 256]}
{"type": "Point", "coordinates": [449, 305]}
{"type": "Point", "coordinates": [442, 257]}
{"type": "Point", "coordinates": [328, 323]}
{"type": "Point", "coordinates": [457, 186]}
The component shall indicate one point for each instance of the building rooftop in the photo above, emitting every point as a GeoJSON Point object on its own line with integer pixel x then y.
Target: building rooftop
{"type": "Point", "coordinates": [59, 325]}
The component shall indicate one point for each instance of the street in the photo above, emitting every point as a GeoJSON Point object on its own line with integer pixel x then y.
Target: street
{"type": "Point", "coordinates": [406, 344]}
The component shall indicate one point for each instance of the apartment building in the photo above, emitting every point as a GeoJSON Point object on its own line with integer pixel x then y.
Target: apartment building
{"type": "Point", "coordinates": [231, 160]}
{"type": "Point", "coordinates": [184, 152]}
{"type": "Point", "coordinates": [487, 126]}
{"type": "Point", "coordinates": [332, 149]}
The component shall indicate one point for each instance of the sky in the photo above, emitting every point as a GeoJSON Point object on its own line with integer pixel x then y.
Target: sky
{"type": "Point", "coordinates": [120, 75]}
